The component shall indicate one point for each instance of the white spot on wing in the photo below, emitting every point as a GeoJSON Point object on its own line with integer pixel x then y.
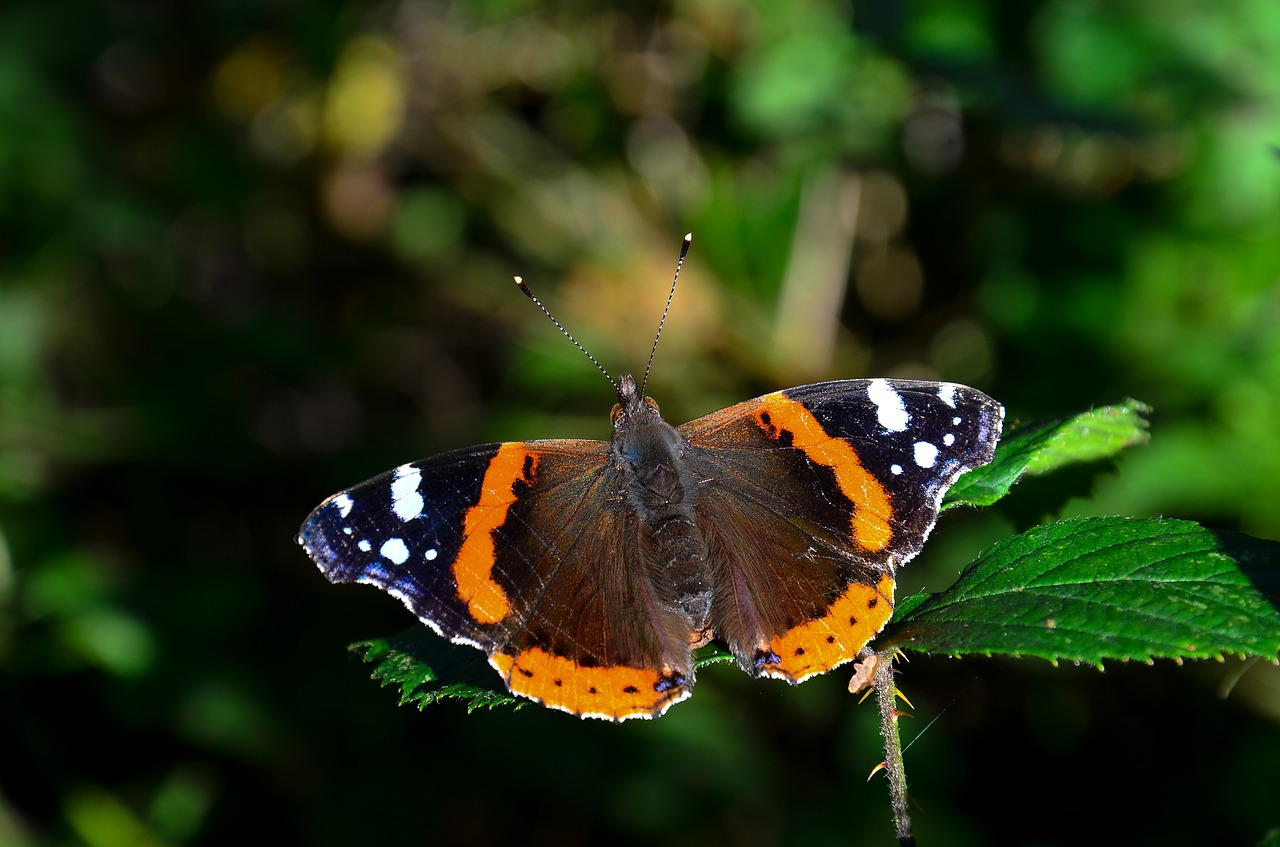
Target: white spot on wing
{"type": "Point", "coordinates": [406, 502]}
{"type": "Point", "coordinates": [947, 393]}
{"type": "Point", "coordinates": [364, 546]}
{"type": "Point", "coordinates": [344, 504]}
{"type": "Point", "coordinates": [949, 439]}
{"type": "Point", "coordinates": [895, 469]}
{"type": "Point", "coordinates": [431, 554]}
{"type": "Point", "coordinates": [926, 454]}
{"type": "Point", "coordinates": [394, 550]}
{"type": "Point", "coordinates": [891, 411]}
{"type": "Point", "coordinates": [956, 420]}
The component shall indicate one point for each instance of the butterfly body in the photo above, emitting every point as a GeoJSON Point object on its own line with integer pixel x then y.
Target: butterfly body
{"type": "Point", "coordinates": [588, 571]}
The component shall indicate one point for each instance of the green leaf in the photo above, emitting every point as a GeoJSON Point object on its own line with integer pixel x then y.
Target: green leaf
{"type": "Point", "coordinates": [1105, 588]}
{"type": "Point", "coordinates": [1042, 446]}
{"type": "Point", "coordinates": [428, 669]}
{"type": "Point", "coordinates": [712, 653]}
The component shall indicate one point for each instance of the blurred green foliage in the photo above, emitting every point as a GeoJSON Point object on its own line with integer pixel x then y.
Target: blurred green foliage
{"type": "Point", "coordinates": [253, 253]}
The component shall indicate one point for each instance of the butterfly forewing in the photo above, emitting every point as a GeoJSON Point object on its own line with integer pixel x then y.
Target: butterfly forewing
{"type": "Point", "coordinates": [814, 496]}
{"type": "Point", "coordinates": [385, 532]}
{"type": "Point", "coordinates": [527, 551]}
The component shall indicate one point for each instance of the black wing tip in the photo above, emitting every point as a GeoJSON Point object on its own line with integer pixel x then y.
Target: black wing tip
{"type": "Point", "coordinates": [317, 543]}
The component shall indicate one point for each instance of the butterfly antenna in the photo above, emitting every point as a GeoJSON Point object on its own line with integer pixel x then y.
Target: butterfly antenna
{"type": "Point", "coordinates": [520, 282]}
{"type": "Point", "coordinates": [684, 251]}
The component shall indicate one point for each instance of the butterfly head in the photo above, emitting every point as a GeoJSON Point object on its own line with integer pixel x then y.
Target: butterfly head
{"type": "Point", "coordinates": [632, 407]}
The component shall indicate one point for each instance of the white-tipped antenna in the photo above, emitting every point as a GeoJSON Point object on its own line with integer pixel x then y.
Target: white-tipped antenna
{"type": "Point", "coordinates": [684, 251]}
{"type": "Point", "coordinates": [559, 326]}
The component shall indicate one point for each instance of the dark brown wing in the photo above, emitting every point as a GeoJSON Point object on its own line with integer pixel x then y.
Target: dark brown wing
{"type": "Point", "coordinates": [812, 497]}
{"type": "Point", "coordinates": [528, 551]}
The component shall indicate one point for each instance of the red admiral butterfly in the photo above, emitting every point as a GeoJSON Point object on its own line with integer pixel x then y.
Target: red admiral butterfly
{"type": "Point", "coordinates": [588, 571]}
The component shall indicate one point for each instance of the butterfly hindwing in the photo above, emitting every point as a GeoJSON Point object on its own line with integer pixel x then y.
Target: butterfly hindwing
{"type": "Point", "coordinates": [585, 633]}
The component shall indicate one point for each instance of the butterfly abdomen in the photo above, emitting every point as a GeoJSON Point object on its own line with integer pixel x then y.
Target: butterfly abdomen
{"type": "Point", "coordinates": [662, 491]}
{"type": "Point", "coordinates": [682, 574]}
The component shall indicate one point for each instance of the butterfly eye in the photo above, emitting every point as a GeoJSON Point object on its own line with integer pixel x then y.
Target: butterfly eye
{"type": "Point", "coordinates": [616, 413]}
{"type": "Point", "coordinates": [648, 401]}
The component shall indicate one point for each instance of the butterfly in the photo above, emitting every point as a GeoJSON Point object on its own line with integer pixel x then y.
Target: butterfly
{"type": "Point", "coordinates": [588, 571]}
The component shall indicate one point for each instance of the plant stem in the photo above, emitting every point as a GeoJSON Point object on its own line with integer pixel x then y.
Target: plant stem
{"type": "Point", "coordinates": [886, 697]}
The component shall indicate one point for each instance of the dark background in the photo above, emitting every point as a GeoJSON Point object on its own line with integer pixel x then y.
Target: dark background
{"type": "Point", "coordinates": [252, 253]}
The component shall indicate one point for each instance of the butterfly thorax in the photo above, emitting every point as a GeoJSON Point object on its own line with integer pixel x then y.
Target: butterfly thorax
{"type": "Point", "coordinates": [649, 453]}
{"type": "Point", "coordinates": [662, 491]}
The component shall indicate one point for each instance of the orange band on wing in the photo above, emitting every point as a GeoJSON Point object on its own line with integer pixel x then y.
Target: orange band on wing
{"type": "Point", "coordinates": [613, 693]}
{"type": "Point", "coordinates": [871, 507]}
{"type": "Point", "coordinates": [835, 638]}
{"type": "Point", "coordinates": [486, 600]}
